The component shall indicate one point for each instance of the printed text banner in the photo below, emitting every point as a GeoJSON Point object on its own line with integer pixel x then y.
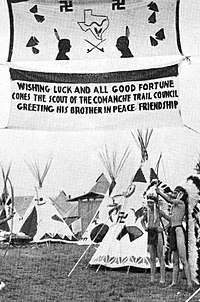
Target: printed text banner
{"type": "Point", "coordinates": [80, 29]}
{"type": "Point", "coordinates": [85, 101]}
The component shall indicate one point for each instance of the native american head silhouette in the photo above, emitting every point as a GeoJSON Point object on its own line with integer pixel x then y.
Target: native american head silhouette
{"type": "Point", "coordinates": [64, 46]}
{"type": "Point", "coordinates": [122, 44]}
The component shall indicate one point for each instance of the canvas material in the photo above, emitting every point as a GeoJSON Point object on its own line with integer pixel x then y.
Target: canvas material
{"type": "Point", "coordinates": [47, 220]}
{"type": "Point", "coordinates": [106, 96]}
{"type": "Point", "coordinates": [151, 29]}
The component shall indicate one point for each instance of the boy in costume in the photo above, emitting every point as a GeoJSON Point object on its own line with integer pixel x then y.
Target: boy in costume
{"type": "Point", "coordinates": [152, 223]}
{"type": "Point", "coordinates": [178, 242]}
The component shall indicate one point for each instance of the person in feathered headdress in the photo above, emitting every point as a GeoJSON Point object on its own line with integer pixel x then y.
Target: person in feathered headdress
{"type": "Point", "coordinates": [178, 241]}
{"type": "Point", "coordinates": [152, 223]}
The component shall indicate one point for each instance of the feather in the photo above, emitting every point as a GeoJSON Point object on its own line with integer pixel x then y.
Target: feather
{"type": "Point", "coordinates": [192, 187]}
{"type": "Point", "coordinates": [192, 249]}
{"type": "Point", "coordinates": [192, 190]}
{"type": "Point", "coordinates": [56, 34]}
{"type": "Point", "coordinates": [127, 33]}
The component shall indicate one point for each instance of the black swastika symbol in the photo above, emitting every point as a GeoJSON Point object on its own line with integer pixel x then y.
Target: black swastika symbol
{"type": "Point", "coordinates": [121, 217]}
{"type": "Point", "coordinates": [118, 4]}
{"type": "Point", "coordinates": [66, 6]}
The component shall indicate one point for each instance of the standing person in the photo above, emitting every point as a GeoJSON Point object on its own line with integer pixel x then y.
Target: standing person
{"type": "Point", "coordinates": [151, 223]}
{"type": "Point", "coordinates": [2, 284]}
{"type": "Point", "coordinates": [177, 232]}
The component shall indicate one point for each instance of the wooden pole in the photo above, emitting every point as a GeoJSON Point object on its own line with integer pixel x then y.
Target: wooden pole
{"type": "Point", "coordinates": [194, 294]}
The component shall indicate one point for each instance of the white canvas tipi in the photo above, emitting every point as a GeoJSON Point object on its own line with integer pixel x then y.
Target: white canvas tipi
{"type": "Point", "coordinates": [103, 217]}
{"type": "Point", "coordinates": [125, 243]}
{"type": "Point", "coordinates": [42, 221]}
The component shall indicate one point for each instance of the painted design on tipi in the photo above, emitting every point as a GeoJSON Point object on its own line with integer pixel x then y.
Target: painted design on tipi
{"type": "Point", "coordinates": [108, 209]}
{"type": "Point", "coordinates": [125, 243]}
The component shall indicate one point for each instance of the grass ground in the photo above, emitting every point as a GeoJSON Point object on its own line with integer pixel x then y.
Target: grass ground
{"type": "Point", "coordinates": [40, 274]}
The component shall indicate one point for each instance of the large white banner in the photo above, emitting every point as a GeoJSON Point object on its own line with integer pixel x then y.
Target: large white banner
{"type": "Point", "coordinates": [138, 98]}
{"type": "Point", "coordinates": [81, 29]}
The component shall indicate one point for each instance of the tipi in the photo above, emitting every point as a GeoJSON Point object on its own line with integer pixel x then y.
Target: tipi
{"type": "Point", "coordinates": [102, 219]}
{"type": "Point", "coordinates": [42, 221]}
{"type": "Point", "coordinates": [125, 243]}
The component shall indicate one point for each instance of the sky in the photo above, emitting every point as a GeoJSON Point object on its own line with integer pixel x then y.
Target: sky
{"type": "Point", "coordinates": [75, 155]}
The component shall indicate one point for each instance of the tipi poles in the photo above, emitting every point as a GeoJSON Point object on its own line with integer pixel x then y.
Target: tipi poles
{"type": "Point", "coordinates": [98, 268]}
{"type": "Point", "coordinates": [5, 192]}
{"type": "Point", "coordinates": [37, 195]}
{"type": "Point", "coordinates": [142, 141]}
{"type": "Point", "coordinates": [128, 269]}
{"type": "Point", "coordinates": [79, 261]}
{"type": "Point", "coordinates": [192, 296]}
{"type": "Point", "coordinates": [35, 170]}
{"type": "Point", "coordinates": [110, 164]}
{"type": "Point", "coordinates": [12, 212]}
{"type": "Point", "coordinates": [82, 255]}
{"type": "Point", "coordinates": [84, 252]}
